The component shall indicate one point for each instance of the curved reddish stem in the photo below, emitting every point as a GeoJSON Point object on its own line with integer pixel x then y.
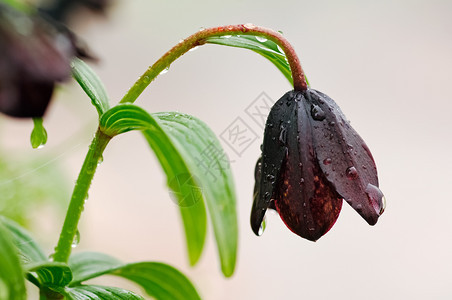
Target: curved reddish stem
{"type": "Point", "coordinates": [199, 38]}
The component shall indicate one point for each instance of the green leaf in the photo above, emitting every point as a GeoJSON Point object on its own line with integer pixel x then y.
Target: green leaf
{"type": "Point", "coordinates": [38, 136]}
{"type": "Point", "coordinates": [159, 280]}
{"type": "Point", "coordinates": [193, 160]}
{"type": "Point", "coordinates": [51, 273]}
{"type": "Point", "coordinates": [29, 250]}
{"type": "Point", "coordinates": [87, 265]}
{"type": "Point", "coordinates": [12, 283]}
{"type": "Point", "coordinates": [260, 45]}
{"type": "Point", "coordinates": [205, 158]}
{"type": "Point", "coordinates": [126, 117]}
{"type": "Point", "coordinates": [97, 292]}
{"type": "Point", "coordinates": [91, 84]}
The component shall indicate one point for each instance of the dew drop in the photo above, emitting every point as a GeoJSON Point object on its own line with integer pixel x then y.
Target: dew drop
{"type": "Point", "coordinates": [280, 49]}
{"type": "Point", "coordinates": [261, 39]}
{"type": "Point", "coordinates": [317, 113]}
{"type": "Point", "coordinates": [76, 240]}
{"type": "Point", "coordinates": [146, 79]}
{"type": "Point", "coordinates": [164, 71]}
{"type": "Point", "coordinates": [301, 180]}
{"type": "Point", "coordinates": [270, 177]}
{"type": "Point", "coordinates": [327, 161]}
{"type": "Point", "coordinates": [226, 36]}
{"type": "Point", "coordinates": [201, 29]}
{"type": "Point", "coordinates": [266, 195]}
{"type": "Point", "coordinates": [351, 172]}
{"type": "Point", "coordinates": [376, 198]}
{"type": "Point", "coordinates": [262, 226]}
{"type": "Point", "coordinates": [193, 49]}
{"type": "Point", "coordinates": [40, 146]}
{"type": "Point", "coordinates": [283, 136]}
{"type": "Point", "coordinates": [100, 160]}
{"type": "Point", "coordinates": [249, 26]}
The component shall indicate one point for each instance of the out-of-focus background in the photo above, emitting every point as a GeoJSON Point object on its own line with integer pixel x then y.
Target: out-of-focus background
{"type": "Point", "coordinates": [386, 63]}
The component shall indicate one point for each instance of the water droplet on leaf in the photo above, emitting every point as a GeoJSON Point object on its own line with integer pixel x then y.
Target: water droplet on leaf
{"type": "Point", "coordinates": [261, 39]}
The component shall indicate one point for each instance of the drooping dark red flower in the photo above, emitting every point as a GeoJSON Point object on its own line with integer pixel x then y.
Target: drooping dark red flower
{"type": "Point", "coordinates": [312, 159]}
{"type": "Point", "coordinates": [34, 54]}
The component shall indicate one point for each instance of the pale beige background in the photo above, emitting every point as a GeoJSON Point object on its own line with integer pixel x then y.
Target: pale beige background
{"type": "Point", "coordinates": [387, 64]}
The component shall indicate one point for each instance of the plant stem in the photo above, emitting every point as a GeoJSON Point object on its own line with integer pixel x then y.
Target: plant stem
{"type": "Point", "coordinates": [198, 39]}
{"type": "Point", "coordinates": [80, 193]}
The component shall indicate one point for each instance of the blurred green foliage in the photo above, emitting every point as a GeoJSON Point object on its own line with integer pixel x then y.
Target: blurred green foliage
{"type": "Point", "coordinates": [27, 183]}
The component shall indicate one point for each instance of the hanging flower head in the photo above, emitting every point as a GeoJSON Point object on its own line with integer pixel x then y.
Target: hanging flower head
{"type": "Point", "coordinates": [312, 159]}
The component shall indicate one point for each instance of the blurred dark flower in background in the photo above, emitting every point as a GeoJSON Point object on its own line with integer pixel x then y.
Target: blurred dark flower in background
{"type": "Point", "coordinates": [35, 53]}
{"type": "Point", "coordinates": [61, 9]}
{"type": "Point", "coordinates": [312, 159]}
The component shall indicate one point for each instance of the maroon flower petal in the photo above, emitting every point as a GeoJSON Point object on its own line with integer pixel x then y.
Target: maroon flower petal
{"type": "Point", "coordinates": [344, 157]}
{"type": "Point", "coordinates": [290, 174]}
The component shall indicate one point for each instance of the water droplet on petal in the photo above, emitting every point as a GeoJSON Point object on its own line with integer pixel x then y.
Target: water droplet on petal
{"type": "Point", "coordinates": [263, 226]}
{"type": "Point", "coordinates": [270, 177]}
{"type": "Point", "coordinates": [283, 136]}
{"type": "Point", "coordinates": [267, 195]}
{"type": "Point", "coordinates": [261, 39]}
{"type": "Point", "coordinates": [351, 172]}
{"type": "Point", "coordinates": [227, 36]}
{"type": "Point", "coordinates": [76, 240]}
{"type": "Point", "coordinates": [376, 198]}
{"type": "Point", "coordinates": [317, 113]}
{"type": "Point", "coordinates": [201, 29]}
{"type": "Point", "coordinates": [327, 161]}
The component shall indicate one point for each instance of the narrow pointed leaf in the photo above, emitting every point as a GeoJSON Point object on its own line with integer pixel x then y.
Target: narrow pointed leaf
{"type": "Point", "coordinates": [38, 136]}
{"type": "Point", "coordinates": [159, 280]}
{"type": "Point", "coordinates": [262, 46]}
{"type": "Point", "coordinates": [29, 250]}
{"type": "Point", "coordinates": [51, 273]}
{"type": "Point", "coordinates": [205, 157]}
{"type": "Point", "coordinates": [97, 292]}
{"type": "Point", "coordinates": [12, 283]}
{"type": "Point", "coordinates": [126, 117]}
{"type": "Point", "coordinates": [91, 84]}
{"type": "Point", "coordinates": [194, 161]}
